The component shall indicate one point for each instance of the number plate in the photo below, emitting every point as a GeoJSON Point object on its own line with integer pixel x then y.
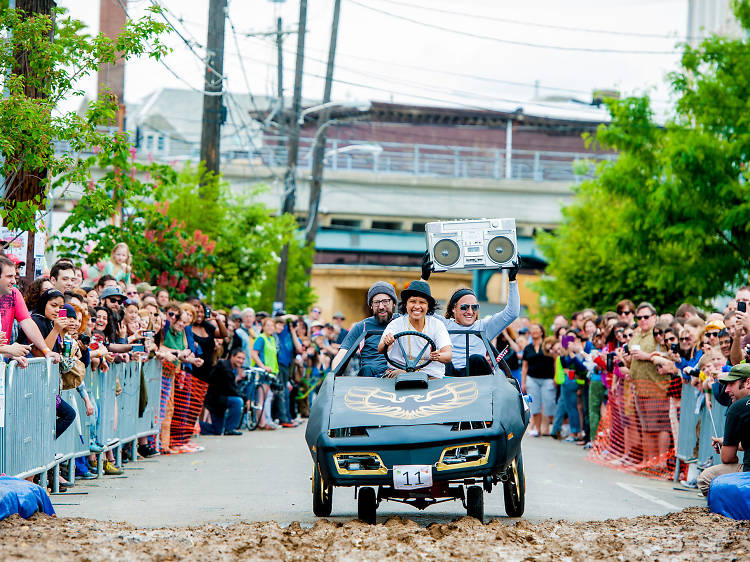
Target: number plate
{"type": "Point", "coordinates": [412, 476]}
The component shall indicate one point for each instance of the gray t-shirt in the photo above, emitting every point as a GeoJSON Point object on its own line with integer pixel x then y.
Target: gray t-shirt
{"type": "Point", "coordinates": [491, 326]}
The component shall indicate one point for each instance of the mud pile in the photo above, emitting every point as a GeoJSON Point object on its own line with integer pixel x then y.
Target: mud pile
{"type": "Point", "coordinates": [690, 534]}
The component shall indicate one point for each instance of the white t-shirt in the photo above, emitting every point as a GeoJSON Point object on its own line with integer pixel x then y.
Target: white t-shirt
{"type": "Point", "coordinates": [433, 328]}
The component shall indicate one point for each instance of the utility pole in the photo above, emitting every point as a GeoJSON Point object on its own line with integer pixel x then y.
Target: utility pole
{"type": "Point", "coordinates": [319, 149]}
{"type": "Point", "coordinates": [290, 177]}
{"type": "Point", "coordinates": [213, 108]}
{"type": "Point", "coordinates": [280, 65]}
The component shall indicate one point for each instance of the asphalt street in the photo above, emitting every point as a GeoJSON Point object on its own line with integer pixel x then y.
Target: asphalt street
{"type": "Point", "coordinates": [265, 475]}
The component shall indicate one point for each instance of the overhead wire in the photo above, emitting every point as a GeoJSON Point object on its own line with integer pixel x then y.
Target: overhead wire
{"type": "Point", "coordinates": [510, 41]}
{"type": "Point", "coordinates": [485, 17]}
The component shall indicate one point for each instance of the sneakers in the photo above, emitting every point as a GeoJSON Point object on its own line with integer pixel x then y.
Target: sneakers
{"type": "Point", "coordinates": [147, 452]}
{"type": "Point", "coordinates": [95, 447]}
{"type": "Point", "coordinates": [232, 432]}
{"type": "Point", "coordinates": [570, 439]}
{"type": "Point", "coordinates": [85, 475]}
{"type": "Point", "coordinates": [288, 424]}
{"type": "Point", "coordinates": [689, 483]}
{"type": "Point", "coordinates": [708, 463]}
{"type": "Point", "coordinates": [111, 470]}
{"type": "Point", "coordinates": [533, 433]}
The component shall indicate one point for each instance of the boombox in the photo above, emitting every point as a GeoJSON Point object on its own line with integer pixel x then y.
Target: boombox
{"type": "Point", "coordinates": [472, 244]}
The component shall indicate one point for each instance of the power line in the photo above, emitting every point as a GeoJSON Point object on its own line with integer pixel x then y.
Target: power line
{"type": "Point", "coordinates": [484, 17]}
{"type": "Point", "coordinates": [509, 41]}
{"type": "Point", "coordinates": [242, 64]}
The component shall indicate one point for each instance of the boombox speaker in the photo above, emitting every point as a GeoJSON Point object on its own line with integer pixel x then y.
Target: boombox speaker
{"type": "Point", "coordinates": [472, 244]}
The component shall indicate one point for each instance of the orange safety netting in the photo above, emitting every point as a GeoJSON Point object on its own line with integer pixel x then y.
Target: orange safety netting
{"type": "Point", "coordinates": [639, 429]}
{"type": "Point", "coordinates": [188, 395]}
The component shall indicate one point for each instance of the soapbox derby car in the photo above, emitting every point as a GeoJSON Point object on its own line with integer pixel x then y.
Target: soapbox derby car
{"type": "Point", "coordinates": [416, 440]}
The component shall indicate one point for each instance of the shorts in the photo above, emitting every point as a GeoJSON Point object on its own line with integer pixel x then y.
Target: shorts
{"type": "Point", "coordinates": [542, 392]}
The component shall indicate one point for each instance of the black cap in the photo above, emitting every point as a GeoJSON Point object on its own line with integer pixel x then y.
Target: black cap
{"type": "Point", "coordinates": [418, 288]}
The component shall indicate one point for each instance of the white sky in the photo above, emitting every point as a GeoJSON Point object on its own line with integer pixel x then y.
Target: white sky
{"type": "Point", "coordinates": [403, 61]}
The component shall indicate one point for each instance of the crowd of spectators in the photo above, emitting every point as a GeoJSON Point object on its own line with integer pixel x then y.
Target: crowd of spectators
{"type": "Point", "coordinates": [81, 323]}
{"type": "Point", "coordinates": [630, 365]}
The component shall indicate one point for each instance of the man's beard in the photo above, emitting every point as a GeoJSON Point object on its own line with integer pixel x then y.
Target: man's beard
{"type": "Point", "coordinates": [383, 318]}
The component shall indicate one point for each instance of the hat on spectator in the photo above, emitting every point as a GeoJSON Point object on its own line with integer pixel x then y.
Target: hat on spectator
{"type": "Point", "coordinates": [418, 288]}
{"type": "Point", "coordinates": [113, 293]}
{"type": "Point", "coordinates": [145, 288]}
{"type": "Point", "coordinates": [70, 311]}
{"type": "Point", "coordinates": [381, 288]}
{"type": "Point", "coordinates": [338, 315]}
{"type": "Point", "coordinates": [741, 371]}
{"type": "Point", "coordinates": [15, 259]}
{"type": "Point", "coordinates": [715, 325]}
{"type": "Point", "coordinates": [316, 324]}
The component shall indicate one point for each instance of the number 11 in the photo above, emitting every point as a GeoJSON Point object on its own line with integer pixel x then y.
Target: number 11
{"type": "Point", "coordinates": [418, 474]}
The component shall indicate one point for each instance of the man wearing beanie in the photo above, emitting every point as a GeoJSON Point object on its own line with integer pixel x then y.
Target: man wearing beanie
{"type": "Point", "coordinates": [381, 298]}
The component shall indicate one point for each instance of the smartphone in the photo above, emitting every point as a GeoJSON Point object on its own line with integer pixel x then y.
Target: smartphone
{"type": "Point", "coordinates": [675, 347]}
{"type": "Point", "coordinates": [741, 306]}
{"type": "Point", "coordinates": [62, 313]}
{"type": "Point", "coordinates": [208, 311]}
{"type": "Point", "coordinates": [148, 334]}
{"type": "Point", "coordinates": [626, 349]}
{"type": "Point", "coordinates": [138, 347]}
{"type": "Point", "coordinates": [610, 362]}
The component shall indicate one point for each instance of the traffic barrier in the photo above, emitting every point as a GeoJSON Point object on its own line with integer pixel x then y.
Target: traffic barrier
{"type": "Point", "coordinates": [687, 438]}
{"type": "Point", "coordinates": [27, 438]}
{"type": "Point", "coordinates": [27, 415]}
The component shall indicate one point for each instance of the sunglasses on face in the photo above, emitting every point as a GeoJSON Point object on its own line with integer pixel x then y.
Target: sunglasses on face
{"type": "Point", "coordinates": [712, 334]}
{"type": "Point", "coordinates": [685, 339]}
{"type": "Point", "coordinates": [658, 333]}
{"type": "Point", "coordinates": [628, 336]}
{"type": "Point", "coordinates": [465, 307]}
{"type": "Point", "coordinates": [670, 340]}
{"type": "Point", "coordinates": [621, 312]}
{"type": "Point", "coordinates": [644, 317]}
{"type": "Point", "coordinates": [172, 314]}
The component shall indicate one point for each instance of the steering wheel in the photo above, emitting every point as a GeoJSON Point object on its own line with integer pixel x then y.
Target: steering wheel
{"type": "Point", "coordinates": [414, 364]}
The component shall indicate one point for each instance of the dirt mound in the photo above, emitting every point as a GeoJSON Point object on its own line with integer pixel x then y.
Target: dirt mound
{"type": "Point", "coordinates": [690, 534]}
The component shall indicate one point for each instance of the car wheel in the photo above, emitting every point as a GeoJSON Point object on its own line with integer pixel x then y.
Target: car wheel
{"type": "Point", "coordinates": [475, 502]}
{"type": "Point", "coordinates": [322, 495]}
{"type": "Point", "coordinates": [367, 505]}
{"type": "Point", "coordinates": [514, 488]}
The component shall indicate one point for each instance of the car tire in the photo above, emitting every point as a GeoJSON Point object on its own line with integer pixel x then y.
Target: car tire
{"type": "Point", "coordinates": [367, 505]}
{"type": "Point", "coordinates": [514, 488]}
{"type": "Point", "coordinates": [322, 494]}
{"type": "Point", "coordinates": [475, 502]}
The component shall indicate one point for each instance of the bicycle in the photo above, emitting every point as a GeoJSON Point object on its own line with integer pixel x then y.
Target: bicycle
{"type": "Point", "coordinates": [252, 391]}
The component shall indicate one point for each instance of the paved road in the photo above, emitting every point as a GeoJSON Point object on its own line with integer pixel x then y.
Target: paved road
{"type": "Point", "coordinates": [265, 475]}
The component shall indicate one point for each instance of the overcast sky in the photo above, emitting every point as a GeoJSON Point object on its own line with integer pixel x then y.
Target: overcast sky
{"type": "Point", "coordinates": [478, 53]}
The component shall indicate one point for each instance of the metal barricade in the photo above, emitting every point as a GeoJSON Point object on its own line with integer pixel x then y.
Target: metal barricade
{"type": "Point", "coordinates": [705, 448]}
{"type": "Point", "coordinates": [688, 436]}
{"type": "Point", "coordinates": [27, 438]}
{"type": "Point", "coordinates": [106, 433]}
{"type": "Point", "coordinates": [127, 401]}
{"type": "Point", "coordinates": [74, 442]}
{"type": "Point", "coordinates": [147, 423]}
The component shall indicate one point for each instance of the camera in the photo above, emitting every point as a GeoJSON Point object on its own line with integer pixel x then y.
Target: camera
{"type": "Point", "coordinates": [675, 347]}
{"type": "Point", "coordinates": [148, 334]}
{"type": "Point", "coordinates": [84, 339]}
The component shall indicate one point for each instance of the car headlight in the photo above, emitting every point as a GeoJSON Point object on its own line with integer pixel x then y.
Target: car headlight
{"type": "Point", "coordinates": [359, 463]}
{"type": "Point", "coordinates": [464, 456]}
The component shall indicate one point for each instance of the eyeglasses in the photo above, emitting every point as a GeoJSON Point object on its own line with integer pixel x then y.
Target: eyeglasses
{"type": "Point", "coordinates": [621, 312]}
{"type": "Point", "coordinates": [620, 331]}
{"type": "Point", "coordinates": [464, 307]}
{"type": "Point", "coordinates": [658, 333]}
{"type": "Point", "coordinates": [712, 334]}
{"type": "Point", "coordinates": [670, 340]}
{"type": "Point", "coordinates": [628, 335]}
{"type": "Point", "coordinates": [685, 339]}
{"type": "Point", "coordinates": [172, 314]}
{"type": "Point", "coordinates": [381, 302]}
{"type": "Point", "coordinates": [316, 310]}
{"type": "Point", "coordinates": [644, 317]}
{"type": "Point", "coordinates": [132, 293]}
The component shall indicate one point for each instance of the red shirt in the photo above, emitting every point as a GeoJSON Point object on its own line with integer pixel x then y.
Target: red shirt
{"type": "Point", "coordinates": [12, 307]}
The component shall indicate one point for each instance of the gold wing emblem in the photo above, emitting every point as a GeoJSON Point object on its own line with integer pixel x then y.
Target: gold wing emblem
{"type": "Point", "coordinates": [411, 406]}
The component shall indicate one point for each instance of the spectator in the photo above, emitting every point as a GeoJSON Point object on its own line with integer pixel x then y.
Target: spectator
{"type": "Point", "coordinates": [223, 401]}
{"type": "Point", "coordinates": [338, 324]}
{"type": "Point", "coordinates": [572, 363]}
{"type": "Point", "coordinates": [625, 311]}
{"type": "Point", "coordinates": [92, 297]}
{"type": "Point", "coordinates": [13, 307]}
{"type": "Point", "coordinates": [288, 345]}
{"type": "Point", "coordinates": [537, 380]}
{"type": "Point", "coordinates": [265, 357]}
{"type": "Point", "coordinates": [36, 288]}
{"type": "Point", "coordinates": [245, 336]}
{"type": "Point", "coordinates": [105, 282]}
{"type": "Point", "coordinates": [205, 330]}
{"type": "Point", "coordinates": [736, 428]}
{"type": "Point", "coordinates": [162, 299]}
{"type": "Point", "coordinates": [63, 276]}
{"type": "Point", "coordinates": [650, 388]}
{"type": "Point", "coordinates": [119, 264]}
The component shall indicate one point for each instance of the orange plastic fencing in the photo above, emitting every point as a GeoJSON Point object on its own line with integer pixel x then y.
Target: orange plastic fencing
{"type": "Point", "coordinates": [639, 429]}
{"type": "Point", "coordinates": [188, 395]}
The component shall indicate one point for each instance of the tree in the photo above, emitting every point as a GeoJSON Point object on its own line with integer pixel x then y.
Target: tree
{"type": "Point", "coordinates": [669, 220]}
{"type": "Point", "coordinates": [29, 125]}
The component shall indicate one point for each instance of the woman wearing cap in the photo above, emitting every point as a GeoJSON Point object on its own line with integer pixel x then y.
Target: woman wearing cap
{"type": "Point", "coordinates": [463, 314]}
{"type": "Point", "coordinates": [417, 307]}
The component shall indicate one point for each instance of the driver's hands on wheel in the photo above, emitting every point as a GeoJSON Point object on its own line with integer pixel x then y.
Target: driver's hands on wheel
{"type": "Point", "coordinates": [388, 339]}
{"type": "Point", "coordinates": [435, 355]}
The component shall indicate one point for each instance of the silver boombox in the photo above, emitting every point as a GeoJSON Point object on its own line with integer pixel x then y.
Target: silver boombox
{"type": "Point", "coordinates": [472, 244]}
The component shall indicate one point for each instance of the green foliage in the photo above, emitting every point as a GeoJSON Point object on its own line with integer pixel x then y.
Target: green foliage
{"type": "Point", "coordinates": [37, 74]}
{"type": "Point", "coordinates": [248, 239]}
{"type": "Point", "coordinates": [669, 220]}
{"type": "Point", "coordinates": [299, 296]}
